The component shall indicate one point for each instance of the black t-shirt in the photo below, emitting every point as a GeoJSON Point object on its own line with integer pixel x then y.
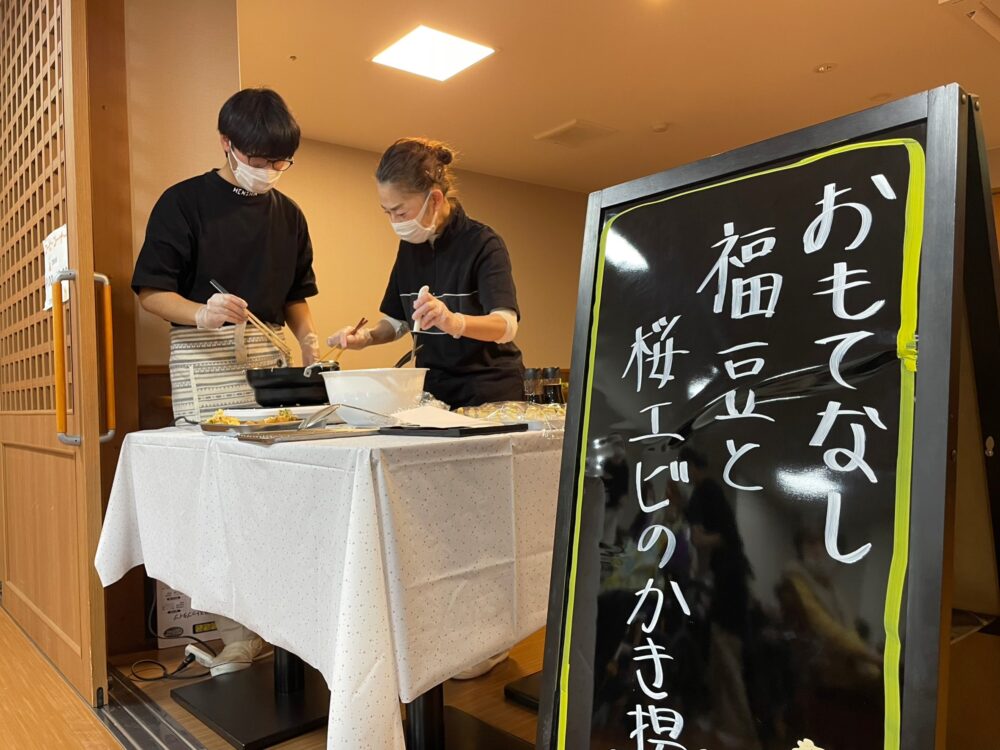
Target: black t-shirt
{"type": "Point", "coordinates": [256, 246]}
{"type": "Point", "coordinates": [468, 269]}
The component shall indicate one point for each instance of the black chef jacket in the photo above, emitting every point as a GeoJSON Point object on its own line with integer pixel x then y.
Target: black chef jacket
{"type": "Point", "coordinates": [467, 267]}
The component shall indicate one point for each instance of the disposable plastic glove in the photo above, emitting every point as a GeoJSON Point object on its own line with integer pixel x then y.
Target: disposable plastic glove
{"type": "Point", "coordinates": [221, 309]}
{"type": "Point", "coordinates": [309, 344]}
{"type": "Point", "coordinates": [346, 340]}
{"type": "Point", "coordinates": [430, 312]}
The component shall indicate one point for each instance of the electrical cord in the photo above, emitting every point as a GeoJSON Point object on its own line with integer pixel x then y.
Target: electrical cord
{"type": "Point", "coordinates": [165, 673]}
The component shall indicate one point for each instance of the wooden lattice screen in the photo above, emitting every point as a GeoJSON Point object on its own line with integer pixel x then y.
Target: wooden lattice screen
{"type": "Point", "coordinates": [32, 195]}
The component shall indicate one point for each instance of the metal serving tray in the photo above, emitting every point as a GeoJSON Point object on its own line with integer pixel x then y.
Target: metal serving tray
{"type": "Point", "coordinates": [270, 438]}
{"type": "Point", "coordinates": [243, 429]}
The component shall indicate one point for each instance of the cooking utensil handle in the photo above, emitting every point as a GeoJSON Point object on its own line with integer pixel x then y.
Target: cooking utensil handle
{"type": "Point", "coordinates": [59, 357]}
{"type": "Point", "coordinates": [416, 328]}
{"type": "Point", "coordinates": [408, 356]}
{"type": "Point", "coordinates": [109, 361]}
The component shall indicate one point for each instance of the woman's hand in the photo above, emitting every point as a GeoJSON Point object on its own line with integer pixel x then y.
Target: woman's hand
{"type": "Point", "coordinates": [430, 312]}
{"type": "Point", "coordinates": [221, 309]}
{"type": "Point", "coordinates": [344, 339]}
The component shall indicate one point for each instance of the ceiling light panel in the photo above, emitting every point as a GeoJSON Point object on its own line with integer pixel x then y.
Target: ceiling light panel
{"type": "Point", "coordinates": [433, 54]}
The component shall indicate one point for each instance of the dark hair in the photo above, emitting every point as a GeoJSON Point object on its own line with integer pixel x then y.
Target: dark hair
{"type": "Point", "coordinates": [417, 165]}
{"type": "Point", "coordinates": [258, 123]}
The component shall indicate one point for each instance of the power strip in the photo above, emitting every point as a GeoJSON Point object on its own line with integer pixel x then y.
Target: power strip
{"type": "Point", "coordinates": [204, 658]}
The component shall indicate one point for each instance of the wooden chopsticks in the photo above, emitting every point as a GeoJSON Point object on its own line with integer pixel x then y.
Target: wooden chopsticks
{"type": "Point", "coordinates": [260, 325]}
{"type": "Point", "coordinates": [354, 330]}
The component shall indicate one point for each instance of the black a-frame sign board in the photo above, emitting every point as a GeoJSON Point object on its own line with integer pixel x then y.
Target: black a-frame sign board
{"type": "Point", "coordinates": [784, 384]}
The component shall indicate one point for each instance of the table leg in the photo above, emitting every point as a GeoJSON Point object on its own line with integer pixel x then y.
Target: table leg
{"type": "Point", "coordinates": [425, 721]}
{"type": "Point", "coordinates": [289, 672]}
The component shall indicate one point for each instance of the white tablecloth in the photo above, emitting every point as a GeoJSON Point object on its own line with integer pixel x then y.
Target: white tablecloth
{"type": "Point", "coordinates": [388, 563]}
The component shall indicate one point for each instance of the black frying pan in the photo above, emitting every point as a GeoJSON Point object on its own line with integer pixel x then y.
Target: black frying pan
{"type": "Point", "coordinates": [274, 398]}
{"type": "Point", "coordinates": [288, 386]}
{"type": "Point", "coordinates": [288, 377]}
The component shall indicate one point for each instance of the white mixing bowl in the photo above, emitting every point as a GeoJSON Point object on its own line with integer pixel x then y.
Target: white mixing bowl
{"type": "Point", "coordinates": [385, 390]}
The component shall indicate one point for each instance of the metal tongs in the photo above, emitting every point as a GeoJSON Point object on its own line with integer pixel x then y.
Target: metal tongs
{"type": "Point", "coordinates": [319, 419]}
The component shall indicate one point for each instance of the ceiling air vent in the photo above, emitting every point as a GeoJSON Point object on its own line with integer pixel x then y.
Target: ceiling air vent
{"type": "Point", "coordinates": [575, 133]}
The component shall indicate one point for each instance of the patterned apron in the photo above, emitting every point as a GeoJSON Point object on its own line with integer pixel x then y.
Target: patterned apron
{"type": "Point", "coordinates": [208, 368]}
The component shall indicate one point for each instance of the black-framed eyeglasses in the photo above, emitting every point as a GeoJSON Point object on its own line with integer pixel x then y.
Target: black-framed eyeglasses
{"type": "Point", "coordinates": [279, 165]}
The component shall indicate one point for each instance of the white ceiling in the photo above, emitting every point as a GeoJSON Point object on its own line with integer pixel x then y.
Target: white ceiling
{"type": "Point", "coordinates": [722, 73]}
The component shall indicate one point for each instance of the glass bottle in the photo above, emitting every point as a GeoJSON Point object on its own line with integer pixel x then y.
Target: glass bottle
{"type": "Point", "coordinates": [552, 386]}
{"type": "Point", "coordinates": [531, 385]}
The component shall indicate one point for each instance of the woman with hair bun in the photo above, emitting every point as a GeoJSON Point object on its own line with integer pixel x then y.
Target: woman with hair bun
{"type": "Point", "coordinates": [451, 282]}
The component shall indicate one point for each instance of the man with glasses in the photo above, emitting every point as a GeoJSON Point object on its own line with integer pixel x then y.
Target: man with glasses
{"type": "Point", "coordinates": [231, 227]}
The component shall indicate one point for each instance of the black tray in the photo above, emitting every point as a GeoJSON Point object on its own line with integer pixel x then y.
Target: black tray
{"type": "Point", "coordinates": [525, 691]}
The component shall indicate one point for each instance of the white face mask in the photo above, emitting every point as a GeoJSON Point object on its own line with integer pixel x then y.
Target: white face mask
{"type": "Point", "coordinates": [254, 179]}
{"type": "Point", "coordinates": [412, 230]}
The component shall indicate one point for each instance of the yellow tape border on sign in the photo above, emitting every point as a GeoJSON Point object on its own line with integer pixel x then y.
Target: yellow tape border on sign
{"type": "Point", "coordinates": [906, 351]}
